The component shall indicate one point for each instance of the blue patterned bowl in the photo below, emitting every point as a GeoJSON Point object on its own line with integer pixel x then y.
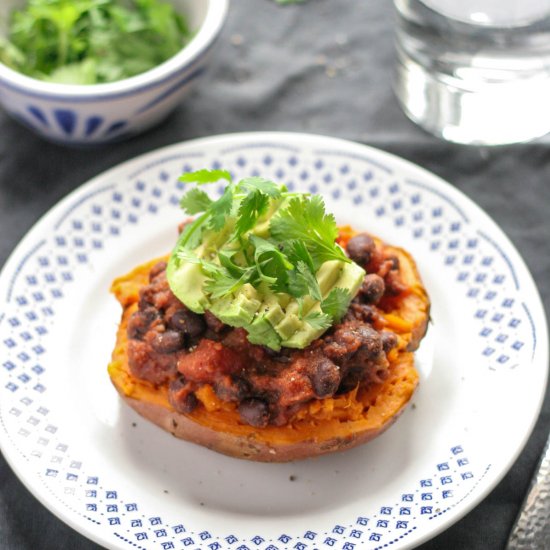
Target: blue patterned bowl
{"type": "Point", "coordinates": [86, 115]}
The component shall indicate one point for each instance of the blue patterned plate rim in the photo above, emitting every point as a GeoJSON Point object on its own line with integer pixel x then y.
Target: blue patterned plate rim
{"type": "Point", "coordinates": [453, 238]}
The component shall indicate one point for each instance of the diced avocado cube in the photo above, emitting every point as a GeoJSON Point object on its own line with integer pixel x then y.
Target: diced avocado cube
{"type": "Point", "coordinates": [239, 309]}
{"type": "Point", "coordinates": [261, 332]}
{"type": "Point", "coordinates": [289, 326]}
{"type": "Point", "coordinates": [186, 281]}
{"type": "Point", "coordinates": [273, 313]}
{"type": "Point", "coordinates": [328, 274]}
{"type": "Point", "coordinates": [305, 334]}
{"type": "Point", "coordinates": [303, 337]}
{"type": "Point", "coordinates": [351, 278]}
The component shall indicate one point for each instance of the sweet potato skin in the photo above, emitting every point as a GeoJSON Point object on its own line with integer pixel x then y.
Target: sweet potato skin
{"type": "Point", "coordinates": [248, 448]}
{"type": "Point", "coordinates": [220, 429]}
{"type": "Point", "coordinates": [255, 443]}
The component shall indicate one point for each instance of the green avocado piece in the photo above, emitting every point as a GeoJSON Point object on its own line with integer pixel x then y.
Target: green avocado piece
{"type": "Point", "coordinates": [328, 274]}
{"type": "Point", "coordinates": [289, 326]}
{"type": "Point", "coordinates": [262, 332]}
{"type": "Point", "coordinates": [305, 333]}
{"type": "Point", "coordinates": [272, 311]}
{"type": "Point", "coordinates": [350, 276]}
{"type": "Point", "coordinates": [239, 309]}
{"type": "Point", "coordinates": [186, 281]}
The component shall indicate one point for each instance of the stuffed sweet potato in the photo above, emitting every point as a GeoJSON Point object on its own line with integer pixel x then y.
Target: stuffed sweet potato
{"type": "Point", "coordinates": [205, 382]}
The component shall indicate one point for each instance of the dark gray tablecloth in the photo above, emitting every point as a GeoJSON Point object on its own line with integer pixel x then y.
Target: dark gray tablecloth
{"type": "Point", "coordinates": [321, 67]}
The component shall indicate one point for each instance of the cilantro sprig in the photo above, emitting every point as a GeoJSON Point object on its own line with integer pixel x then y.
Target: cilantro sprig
{"type": "Point", "coordinates": [91, 41]}
{"type": "Point", "coordinates": [273, 238]}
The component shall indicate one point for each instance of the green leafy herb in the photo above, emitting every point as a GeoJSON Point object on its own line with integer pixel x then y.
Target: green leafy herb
{"type": "Point", "coordinates": [320, 321]}
{"type": "Point", "coordinates": [91, 41]}
{"type": "Point", "coordinates": [220, 209]}
{"type": "Point", "coordinates": [309, 277]}
{"type": "Point", "coordinates": [261, 185]}
{"type": "Point", "coordinates": [305, 219]}
{"type": "Point", "coordinates": [202, 177]}
{"type": "Point", "coordinates": [252, 207]}
{"type": "Point", "coordinates": [222, 283]}
{"type": "Point", "coordinates": [271, 264]}
{"type": "Point", "coordinates": [276, 239]}
{"type": "Point", "coordinates": [336, 303]}
{"type": "Point", "coordinates": [195, 201]}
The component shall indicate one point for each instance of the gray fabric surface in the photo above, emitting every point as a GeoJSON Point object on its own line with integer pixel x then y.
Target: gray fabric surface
{"type": "Point", "coordinates": [321, 67]}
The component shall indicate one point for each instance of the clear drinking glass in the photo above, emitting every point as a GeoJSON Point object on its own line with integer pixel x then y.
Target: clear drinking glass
{"type": "Point", "coordinates": [475, 71]}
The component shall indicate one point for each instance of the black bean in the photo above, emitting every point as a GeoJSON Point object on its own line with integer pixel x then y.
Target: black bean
{"type": "Point", "coordinates": [229, 389]}
{"type": "Point", "coordinates": [214, 324]}
{"type": "Point", "coordinates": [350, 381]}
{"type": "Point", "coordinates": [389, 340]}
{"type": "Point", "coordinates": [360, 248]}
{"type": "Point", "coordinates": [168, 341]}
{"type": "Point", "coordinates": [189, 323]}
{"type": "Point", "coordinates": [140, 322]}
{"type": "Point", "coordinates": [180, 397]}
{"type": "Point", "coordinates": [362, 312]}
{"type": "Point", "coordinates": [353, 340]}
{"type": "Point", "coordinates": [394, 262]}
{"type": "Point", "coordinates": [254, 412]}
{"type": "Point", "coordinates": [325, 377]}
{"type": "Point", "coordinates": [394, 284]}
{"type": "Point", "coordinates": [156, 270]}
{"type": "Point", "coordinates": [178, 384]}
{"type": "Point", "coordinates": [372, 289]}
{"type": "Point", "coordinates": [371, 343]}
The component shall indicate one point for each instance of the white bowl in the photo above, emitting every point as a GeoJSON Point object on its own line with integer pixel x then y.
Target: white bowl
{"type": "Point", "coordinates": [81, 115]}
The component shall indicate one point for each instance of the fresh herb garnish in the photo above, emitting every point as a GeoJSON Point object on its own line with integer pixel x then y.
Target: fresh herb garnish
{"type": "Point", "coordinates": [91, 41]}
{"type": "Point", "coordinates": [292, 237]}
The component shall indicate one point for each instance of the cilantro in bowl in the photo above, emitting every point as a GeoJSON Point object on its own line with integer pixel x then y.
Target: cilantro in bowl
{"type": "Point", "coordinates": [91, 41]}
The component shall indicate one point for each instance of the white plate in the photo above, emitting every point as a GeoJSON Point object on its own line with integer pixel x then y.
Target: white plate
{"type": "Point", "coordinates": [126, 484]}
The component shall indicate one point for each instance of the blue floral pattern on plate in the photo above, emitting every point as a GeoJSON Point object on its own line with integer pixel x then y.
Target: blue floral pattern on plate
{"type": "Point", "coordinates": [505, 324]}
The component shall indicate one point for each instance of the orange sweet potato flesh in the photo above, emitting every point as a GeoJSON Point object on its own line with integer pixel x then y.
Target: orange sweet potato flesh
{"type": "Point", "coordinates": [320, 427]}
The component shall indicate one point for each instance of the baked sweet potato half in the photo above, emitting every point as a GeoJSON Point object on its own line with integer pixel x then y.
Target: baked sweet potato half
{"type": "Point", "coordinates": [310, 426]}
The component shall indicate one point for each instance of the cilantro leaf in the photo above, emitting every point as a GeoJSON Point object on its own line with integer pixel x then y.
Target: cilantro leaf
{"type": "Point", "coordinates": [203, 177]}
{"type": "Point", "coordinates": [297, 285]}
{"type": "Point", "coordinates": [92, 41]}
{"type": "Point", "coordinates": [266, 187]}
{"type": "Point", "coordinates": [195, 201]}
{"type": "Point", "coordinates": [319, 321]}
{"type": "Point", "coordinates": [227, 261]}
{"type": "Point", "coordinates": [220, 209]}
{"type": "Point", "coordinates": [191, 235]}
{"type": "Point", "coordinates": [220, 280]}
{"type": "Point", "coordinates": [304, 219]}
{"type": "Point", "coordinates": [271, 263]}
{"type": "Point", "coordinates": [297, 251]}
{"type": "Point", "coordinates": [311, 281]}
{"type": "Point", "coordinates": [323, 225]}
{"type": "Point", "coordinates": [336, 303]}
{"type": "Point", "coordinates": [221, 283]}
{"type": "Point", "coordinates": [252, 207]}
